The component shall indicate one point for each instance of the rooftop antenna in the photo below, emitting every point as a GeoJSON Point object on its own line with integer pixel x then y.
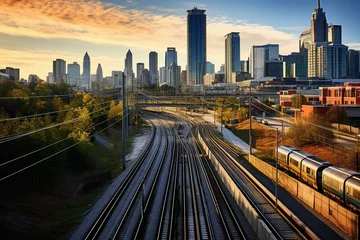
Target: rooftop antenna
{"type": "Point", "coordinates": [318, 3]}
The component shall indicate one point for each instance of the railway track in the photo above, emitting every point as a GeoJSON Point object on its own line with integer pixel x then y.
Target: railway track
{"type": "Point", "coordinates": [281, 226]}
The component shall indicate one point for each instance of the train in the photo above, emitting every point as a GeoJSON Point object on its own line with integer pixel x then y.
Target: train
{"type": "Point", "coordinates": [339, 183]}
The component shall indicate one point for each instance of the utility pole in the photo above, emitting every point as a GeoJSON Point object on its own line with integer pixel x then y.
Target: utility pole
{"type": "Point", "coordinates": [123, 124]}
{"type": "Point", "coordinates": [250, 137]}
{"type": "Point", "coordinates": [221, 121]}
{"type": "Point", "coordinates": [277, 170]}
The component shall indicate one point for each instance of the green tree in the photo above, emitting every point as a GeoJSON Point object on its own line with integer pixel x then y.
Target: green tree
{"type": "Point", "coordinates": [298, 100]}
{"type": "Point", "coordinates": [336, 114]}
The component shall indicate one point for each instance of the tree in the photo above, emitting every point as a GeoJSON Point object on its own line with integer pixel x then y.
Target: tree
{"type": "Point", "coordinates": [336, 114]}
{"type": "Point", "coordinates": [298, 100]}
{"type": "Point", "coordinates": [316, 130]}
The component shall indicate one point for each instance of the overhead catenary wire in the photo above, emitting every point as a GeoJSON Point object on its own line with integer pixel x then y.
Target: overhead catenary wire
{"type": "Point", "coordinates": [52, 155]}
{"type": "Point", "coordinates": [57, 142]}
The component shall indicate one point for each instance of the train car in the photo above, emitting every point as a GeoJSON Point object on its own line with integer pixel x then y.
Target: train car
{"type": "Point", "coordinates": [311, 171]}
{"type": "Point", "coordinates": [352, 193]}
{"type": "Point", "coordinates": [295, 161]}
{"type": "Point", "coordinates": [334, 180]}
{"type": "Point", "coordinates": [283, 155]}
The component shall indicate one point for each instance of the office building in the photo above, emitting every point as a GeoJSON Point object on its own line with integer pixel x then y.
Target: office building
{"type": "Point", "coordinates": [139, 74]}
{"type": "Point", "coordinates": [304, 42]}
{"type": "Point", "coordinates": [74, 74]}
{"type": "Point", "coordinates": [212, 79]}
{"type": "Point", "coordinates": [319, 26]}
{"type": "Point", "coordinates": [162, 76]}
{"type": "Point", "coordinates": [153, 68]}
{"type": "Point", "coordinates": [244, 65]}
{"type": "Point", "coordinates": [118, 78]}
{"type": "Point", "coordinates": [259, 55]}
{"type": "Point", "coordinates": [222, 69]}
{"type": "Point", "coordinates": [210, 68]}
{"type": "Point", "coordinates": [145, 78]}
{"type": "Point", "coordinates": [232, 55]}
{"type": "Point", "coordinates": [99, 74]}
{"type": "Point", "coordinates": [128, 71]}
{"type": "Point", "coordinates": [50, 78]}
{"type": "Point", "coordinates": [183, 77]}
{"type": "Point", "coordinates": [59, 71]}
{"type": "Point", "coordinates": [196, 46]}
{"type": "Point", "coordinates": [170, 59]}
{"type": "Point", "coordinates": [174, 75]}
{"type": "Point", "coordinates": [353, 64]}
{"type": "Point", "coordinates": [274, 68]}
{"type": "Point", "coordinates": [13, 73]}
{"type": "Point", "coordinates": [86, 72]}
{"type": "Point", "coordinates": [33, 78]}
{"type": "Point", "coordinates": [335, 34]}
{"type": "Point", "coordinates": [295, 65]}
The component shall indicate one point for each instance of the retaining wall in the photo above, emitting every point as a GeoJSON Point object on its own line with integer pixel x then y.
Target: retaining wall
{"type": "Point", "coordinates": [343, 218]}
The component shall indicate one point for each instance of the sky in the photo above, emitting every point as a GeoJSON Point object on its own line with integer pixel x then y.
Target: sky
{"type": "Point", "coordinates": [35, 32]}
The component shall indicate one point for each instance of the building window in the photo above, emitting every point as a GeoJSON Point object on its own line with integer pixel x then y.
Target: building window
{"type": "Point", "coordinates": [352, 102]}
{"type": "Point", "coordinates": [346, 102]}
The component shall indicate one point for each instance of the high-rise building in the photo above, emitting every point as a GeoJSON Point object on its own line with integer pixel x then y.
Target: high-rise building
{"type": "Point", "coordinates": [232, 55]}
{"type": "Point", "coordinates": [129, 73]}
{"type": "Point", "coordinates": [174, 75]}
{"type": "Point", "coordinates": [86, 72]}
{"type": "Point", "coordinates": [74, 74]}
{"type": "Point", "coordinates": [13, 73]}
{"type": "Point", "coordinates": [118, 78]}
{"type": "Point", "coordinates": [259, 55]}
{"type": "Point", "coordinates": [33, 78]}
{"type": "Point", "coordinates": [183, 80]}
{"type": "Point", "coordinates": [319, 26]}
{"type": "Point", "coordinates": [334, 34]}
{"type": "Point", "coordinates": [210, 68]}
{"type": "Point", "coordinates": [244, 66]}
{"type": "Point", "coordinates": [50, 78]}
{"type": "Point", "coordinates": [295, 65]}
{"type": "Point", "coordinates": [170, 59]}
{"type": "Point", "coordinates": [99, 74]}
{"type": "Point", "coordinates": [153, 68]}
{"type": "Point", "coordinates": [145, 78]}
{"type": "Point", "coordinates": [304, 42]}
{"type": "Point", "coordinates": [196, 45]}
{"type": "Point", "coordinates": [162, 76]}
{"type": "Point", "coordinates": [353, 64]}
{"type": "Point", "coordinates": [337, 59]}
{"type": "Point", "coordinates": [274, 68]}
{"type": "Point", "coordinates": [222, 69]}
{"type": "Point", "coordinates": [59, 71]}
{"type": "Point", "coordinates": [139, 74]}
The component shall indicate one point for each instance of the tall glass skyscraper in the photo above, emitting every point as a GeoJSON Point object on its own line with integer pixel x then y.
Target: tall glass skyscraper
{"type": "Point", "coordinates": [196, 46]}
{"type": "Point", "coordinates": [232, 55]}
{"type": "Point", "coordinates": [86, 71]}
{"type": "Point", "coordinates": [170, 59]}
{"type": "Point", "coordinates": [153, 68]}
{"type": "Point", "coordinates": [319, 26]}
{"type": "Point", "coordinates": [129, 68]}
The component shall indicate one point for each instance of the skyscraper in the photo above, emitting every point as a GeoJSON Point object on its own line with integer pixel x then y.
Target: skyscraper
{"type": "Point", "coordinates": [129, 68]}
{"type": "Point", "coordinates": [170, 59]}
{"type": "Point", "coordinates": [196, 45]}
{"type": "Point", "coordinates": [162, 77]}
{"type": "Point", "coordinates": [353, 64]}
{"type": "Point", "coordinates": [210, 68]}
{"type": "Point", "coordinates": [334, 34]}
{"type": "Point", "coordinates": [99, 74]}
{"type": "Point", "coordinates": [139, 74]}
{"type": "Point", "coordinates": [295, 65]}
{"type": "Point", "coordinates": [174, 75]}
{"type": "Point", "coordinates": [118, 78]}
{"type": "Point", "coordinates": [145, 78]}
{"type": "Point", "coordinates": [86, 71]}
{"type": "Point", "coordinates": [153, 68]}
{"type": "Point", "coordinates": [259, 55]}
{"type": "Point", "coordinates": [183, 76]}
{"type": "Point", "coordinates": [59, 71]}
{"type": "Point", "coordinates": [73, 74]}
{"type": "Point", "coordinates": [232, 55]}
{"type": "Point", "coordinates": [319, 26]}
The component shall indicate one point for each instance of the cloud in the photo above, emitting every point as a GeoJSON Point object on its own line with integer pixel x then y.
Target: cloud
{"type": "Point", "coordinates": [354, 45]}
{"type": "Point", "coordinates": [102, 23]}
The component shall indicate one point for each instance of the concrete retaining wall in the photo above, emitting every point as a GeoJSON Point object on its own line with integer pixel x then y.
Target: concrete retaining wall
{"type": "Point", "coordinates": [250, 213]}
{"type": "Point", "coordinates": [330, 209]}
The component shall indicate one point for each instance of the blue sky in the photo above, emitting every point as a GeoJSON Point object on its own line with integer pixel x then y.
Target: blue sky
{"type": "Point", "coordinates": [31, 37]}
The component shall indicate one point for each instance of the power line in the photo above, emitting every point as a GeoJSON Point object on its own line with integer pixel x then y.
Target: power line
{"type": "Point", "coordinates": [52, 144]}
{"type": "Point", "coordinates": [63, 150]}
{"type": "Point", "coordinates": [17, 136]}
{"type": "Point", "coordinates": [64, 110]}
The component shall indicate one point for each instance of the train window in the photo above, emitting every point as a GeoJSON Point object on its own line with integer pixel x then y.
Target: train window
{"type": "Point", "coordinates": [308, 170]}
{"type": "Point", "coordinates": [294, 162]}
{"type": "Point", "coordinates": [356, 194]}
{"type": "Point", "coordinates": [282, 158]}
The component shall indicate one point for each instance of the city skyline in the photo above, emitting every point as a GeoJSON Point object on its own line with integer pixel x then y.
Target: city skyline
{"type": "Point", "coordinates": [165, 25]}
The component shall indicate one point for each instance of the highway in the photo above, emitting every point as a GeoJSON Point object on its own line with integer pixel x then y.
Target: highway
{"type": "Point", "coordinates": [178, 188]}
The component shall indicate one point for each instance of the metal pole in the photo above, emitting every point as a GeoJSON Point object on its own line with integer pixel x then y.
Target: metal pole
{"type": "Point", "coordinates": [123, 125]}
{"type": "Point", "coordinates": [282, 132]}
{"type": "Point", "coordinates": [277, 170]}
{"type": "Point", "coordinates": [221, 121]}
{"type": "Point", "coordinates": [357, 161]}
{"type": "Point", "coordinates": [250, 137]}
